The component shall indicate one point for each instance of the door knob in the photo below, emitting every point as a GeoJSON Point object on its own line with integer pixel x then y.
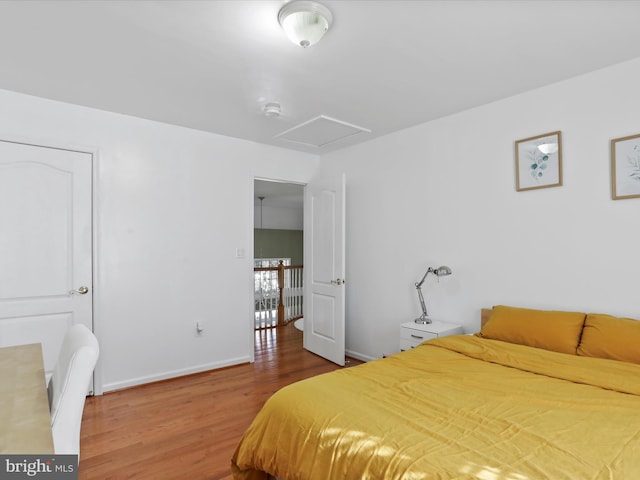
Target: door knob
{"type": "Point", "coordinates": [337, 281]}
{"type": "Point", "coordinates": [82, 290]}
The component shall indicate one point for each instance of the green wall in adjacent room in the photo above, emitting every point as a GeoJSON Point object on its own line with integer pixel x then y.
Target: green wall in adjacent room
{"type": "Point", "coordinates": [271, 243]}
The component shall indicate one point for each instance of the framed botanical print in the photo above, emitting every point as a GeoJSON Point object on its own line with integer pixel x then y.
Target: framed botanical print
{"type": "Point", "coordinates": [625, 167]}
{"type": "Point", "coordinates": [539, 162]}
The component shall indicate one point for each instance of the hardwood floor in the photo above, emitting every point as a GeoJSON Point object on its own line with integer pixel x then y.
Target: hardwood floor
{"type": "Point", "coordinates": [188, 428]}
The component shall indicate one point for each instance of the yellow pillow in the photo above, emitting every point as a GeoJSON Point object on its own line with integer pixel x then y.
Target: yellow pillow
{"type": "Point", "coordinates": [548, 329]}
{"type": "Point", "coordinates": [616, 338]}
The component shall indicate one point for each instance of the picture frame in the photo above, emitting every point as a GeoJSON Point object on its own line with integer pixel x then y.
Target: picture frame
{"type": "Point", "coordinates": [625, 167]}
{"type": "Point", "coordinates": [539, 162]}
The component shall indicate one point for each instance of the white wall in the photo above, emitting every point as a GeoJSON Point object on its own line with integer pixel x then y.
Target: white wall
{"type": "Point", "coordinates": [173, 204]}
{"type": "Point", "coordinates": [444, 193]}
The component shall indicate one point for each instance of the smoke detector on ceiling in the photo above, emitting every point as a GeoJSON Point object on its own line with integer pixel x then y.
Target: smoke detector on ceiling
{"type": "Point", "coordinates": [272, 109]}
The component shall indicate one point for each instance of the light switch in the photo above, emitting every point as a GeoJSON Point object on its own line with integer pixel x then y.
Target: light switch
{"type": "Point", "coordinates": [239, 252]}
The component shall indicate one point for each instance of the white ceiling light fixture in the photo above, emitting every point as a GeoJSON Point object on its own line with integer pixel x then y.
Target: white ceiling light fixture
{"type": "Point", "coordinates": [305, 22]}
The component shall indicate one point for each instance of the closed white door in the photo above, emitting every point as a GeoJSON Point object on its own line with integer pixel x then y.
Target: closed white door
{"type": "Point", "coordinates": [324, 266]}
{"type": "Point", "coordinates": [45, 245]}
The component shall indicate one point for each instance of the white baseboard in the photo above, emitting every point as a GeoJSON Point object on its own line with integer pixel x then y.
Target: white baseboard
{"type": "Point", "coordinates": [359, 356]}
{"type": "Point", "coordinates": [133, 382]}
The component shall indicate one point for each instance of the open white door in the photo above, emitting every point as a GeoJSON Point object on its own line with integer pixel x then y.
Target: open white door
{"type": "Point", "coordinates": [324, 261]}
{"type": "Point", "coordinates": [45, 245]}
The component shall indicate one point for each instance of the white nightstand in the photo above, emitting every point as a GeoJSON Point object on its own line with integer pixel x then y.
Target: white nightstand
{"type": "Point", "coordinates": [413, 334]}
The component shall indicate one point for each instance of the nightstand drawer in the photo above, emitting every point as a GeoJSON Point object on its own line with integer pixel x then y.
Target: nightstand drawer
{"type": "Point", "coordinates": [408, 344]}
{"type": "Point", "coordinates": [413, 335]}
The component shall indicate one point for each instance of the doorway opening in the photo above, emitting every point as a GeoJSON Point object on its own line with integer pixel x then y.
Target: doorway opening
{"type": "Point", "coordinates": [278, 257]}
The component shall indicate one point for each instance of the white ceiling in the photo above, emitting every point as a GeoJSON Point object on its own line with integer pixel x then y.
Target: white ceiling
{"type": "Point", "coordinates": [383, 66]}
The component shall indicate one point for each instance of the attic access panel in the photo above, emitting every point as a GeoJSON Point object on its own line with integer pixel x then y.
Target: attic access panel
{"type": "Point", "coordinates": [321, 131]}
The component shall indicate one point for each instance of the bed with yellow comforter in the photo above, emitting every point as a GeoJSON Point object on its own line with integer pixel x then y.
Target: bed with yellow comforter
{"type": "Point", "coordinates": [460, 407]}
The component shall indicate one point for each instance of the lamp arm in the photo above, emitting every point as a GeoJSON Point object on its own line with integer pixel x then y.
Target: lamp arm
{"type": "Point", "coordinates": [419, 284]}
{"type": "Point", "coordinates": [421, 298]}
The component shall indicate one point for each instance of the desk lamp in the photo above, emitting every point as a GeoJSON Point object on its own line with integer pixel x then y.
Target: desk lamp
{"type": "Point", "coordinates": [438, 272]}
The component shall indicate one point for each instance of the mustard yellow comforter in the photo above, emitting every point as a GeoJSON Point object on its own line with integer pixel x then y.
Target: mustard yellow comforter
{"type": "Point", "coordinates": [458, 407]}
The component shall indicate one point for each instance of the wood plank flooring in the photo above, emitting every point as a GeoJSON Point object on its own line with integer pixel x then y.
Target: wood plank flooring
{"type": "Point", "coordinates": [189, 427]}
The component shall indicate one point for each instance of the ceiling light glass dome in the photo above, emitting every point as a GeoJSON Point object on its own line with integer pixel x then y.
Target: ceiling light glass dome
{"type": "Point", "coordinates": [305, 22]}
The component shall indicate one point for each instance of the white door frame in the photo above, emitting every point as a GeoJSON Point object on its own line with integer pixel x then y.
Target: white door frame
{"type": "Point", "coordinates": [93, 151]}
